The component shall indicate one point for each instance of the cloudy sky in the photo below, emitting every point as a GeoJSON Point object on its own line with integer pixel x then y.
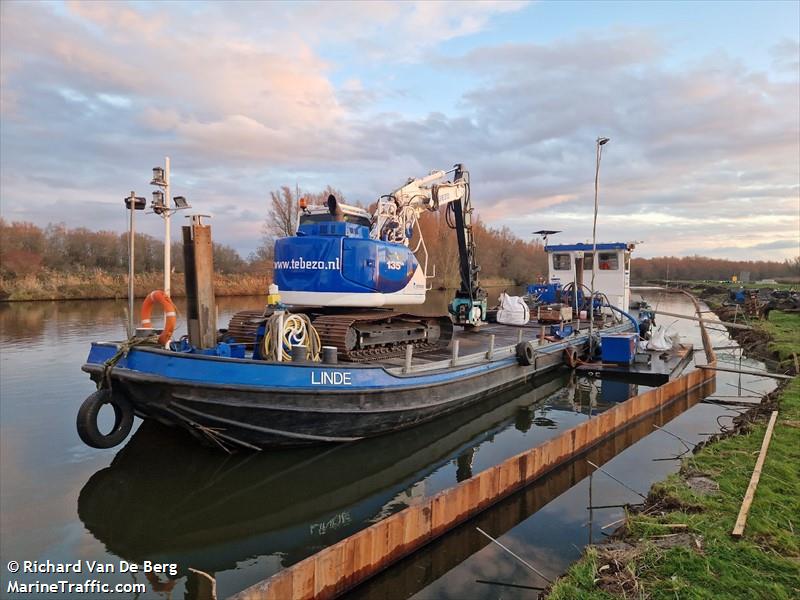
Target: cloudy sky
{"type": "Point", "coordinates": [701, 102]}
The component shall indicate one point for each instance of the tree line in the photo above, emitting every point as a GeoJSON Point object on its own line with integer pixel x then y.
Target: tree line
{"type": "Point", "coordinates": [674, 268]}
{"type": "Point", "coordinates": [28, 249]}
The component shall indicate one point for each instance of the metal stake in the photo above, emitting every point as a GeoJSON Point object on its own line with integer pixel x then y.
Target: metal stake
{"type": "Point", "coordinates": [131, 239]}
{"type": "Point", "coordinates": [279, 344]}
{"type": "Point", "coordinates": [600, 143]}
{"type": "Point", "coordinates": [409, 354]}
{"type": "Point", "coordinates": [626, 486]}
{"type": "Point", "coordinates": [167, 242]}
{"type": "Point", "coordinates": [523, 561]}
{"type": "Point", "coordinates": [687, 443]}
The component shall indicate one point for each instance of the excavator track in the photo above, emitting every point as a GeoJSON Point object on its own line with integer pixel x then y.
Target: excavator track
{"type": "Point", "coordinates": [244, 325]}
{"type": "Point", "coordinates": [373, 335]}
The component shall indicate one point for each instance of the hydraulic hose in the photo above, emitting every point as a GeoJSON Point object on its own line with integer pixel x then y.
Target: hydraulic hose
{"type": "Point", "coordinates": [624, 314]}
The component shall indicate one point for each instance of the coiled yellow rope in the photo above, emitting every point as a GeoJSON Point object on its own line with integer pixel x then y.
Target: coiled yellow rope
{"type": "Point", "coordinates": [297, 331]}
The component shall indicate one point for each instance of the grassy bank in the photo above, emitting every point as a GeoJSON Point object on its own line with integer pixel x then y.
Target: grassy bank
{"type": "Point", "coordinates": [784, 333]}
{"type": "Point", "coordinates": [94, 285]}
{"type": "Point", "coordinates": [650, 560]}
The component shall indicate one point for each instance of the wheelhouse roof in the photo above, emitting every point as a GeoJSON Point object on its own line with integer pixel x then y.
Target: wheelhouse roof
{"type": "Point", "coordinates": [588, 247]}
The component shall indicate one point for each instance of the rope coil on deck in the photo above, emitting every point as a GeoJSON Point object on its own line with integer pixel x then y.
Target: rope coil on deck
{"type": "Point", "coordinates": [297, 331]}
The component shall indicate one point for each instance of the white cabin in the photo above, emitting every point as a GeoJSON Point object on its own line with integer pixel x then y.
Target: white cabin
{"type": "Point", "coordinates": [568, 263]}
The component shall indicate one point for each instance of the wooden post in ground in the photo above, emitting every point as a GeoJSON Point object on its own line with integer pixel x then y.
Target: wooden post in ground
{"type": "Point", "coordinates": [738, 529]}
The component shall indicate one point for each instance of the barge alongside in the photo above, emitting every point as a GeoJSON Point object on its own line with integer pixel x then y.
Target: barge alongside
{"type": "Point", "coordinates": [252, 403]}
{"type": "Point", "coordinates": [336, 365]}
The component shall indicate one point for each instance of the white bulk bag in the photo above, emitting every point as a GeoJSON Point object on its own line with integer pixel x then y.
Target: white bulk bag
{"type": "Point", "coordinates": [513, 310]}
{"type": "Point", "coordinates": [658, 340]}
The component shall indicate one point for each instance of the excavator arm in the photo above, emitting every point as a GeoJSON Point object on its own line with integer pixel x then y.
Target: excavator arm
{"type": "Point", "coordinates": [469, 305]}
{"type": "Point", "coordinates": [397, 213]}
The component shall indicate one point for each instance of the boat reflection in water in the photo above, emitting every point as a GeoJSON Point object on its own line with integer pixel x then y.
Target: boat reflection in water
{"type": "Point", "coordinates": [165, 499]}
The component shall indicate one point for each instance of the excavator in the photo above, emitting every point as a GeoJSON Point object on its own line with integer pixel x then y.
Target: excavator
{"type": "Point", "coordinates": [346, 268]}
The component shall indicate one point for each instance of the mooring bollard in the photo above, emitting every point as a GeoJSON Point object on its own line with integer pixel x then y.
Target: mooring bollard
{"type": "Point", "coordinates": [455, 354]}
{"type": "Point", "coordinates": [409, 354]}
{"type": "Point", "coordinates": [519, 336]}
{"type": "Point", "coordinates": [299, 354]}
{"type": "Point", "coordinates": [330, 355]}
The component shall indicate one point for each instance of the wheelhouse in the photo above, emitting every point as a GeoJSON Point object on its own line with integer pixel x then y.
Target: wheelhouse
{"type": "Point", "coordinates": [573, 263]}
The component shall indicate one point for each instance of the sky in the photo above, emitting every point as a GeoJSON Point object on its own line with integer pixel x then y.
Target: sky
{"type": "Point", "coordinates": [701, 101]}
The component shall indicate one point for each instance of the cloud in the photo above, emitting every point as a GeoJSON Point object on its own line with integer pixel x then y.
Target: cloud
{"type": "Point", "coordinates": [710, 146]}
{"type": "Point", "coordinates": [786, 56]}
{"type": "Point", "coordinates": [246, 97]}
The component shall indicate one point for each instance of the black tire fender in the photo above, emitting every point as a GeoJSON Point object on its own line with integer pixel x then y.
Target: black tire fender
{"type": "Point", "coordinates": [86, 422]}
{"type": "Point", "coordinates": [526, 354]}
{"type": "Point", "coordinates": [571, 357]}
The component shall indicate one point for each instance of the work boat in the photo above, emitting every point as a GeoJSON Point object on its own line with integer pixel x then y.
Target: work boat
{"type": "Point", "coordinates": [329, 359]}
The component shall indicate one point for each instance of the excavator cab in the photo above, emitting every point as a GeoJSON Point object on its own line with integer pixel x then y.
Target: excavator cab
{"type": "Point", "coordinates": [333, 262]}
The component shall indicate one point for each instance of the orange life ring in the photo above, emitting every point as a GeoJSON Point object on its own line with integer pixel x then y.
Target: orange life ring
{"type": "Point", "coordinates": [170, 314]}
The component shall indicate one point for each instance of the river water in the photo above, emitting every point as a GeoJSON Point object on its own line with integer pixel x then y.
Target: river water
{"type": "Point", "coordinates": [161, 497]}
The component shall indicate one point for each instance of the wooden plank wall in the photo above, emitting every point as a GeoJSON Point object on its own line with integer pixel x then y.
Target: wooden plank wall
{"type": "Point", "coordinates": [340, 567]}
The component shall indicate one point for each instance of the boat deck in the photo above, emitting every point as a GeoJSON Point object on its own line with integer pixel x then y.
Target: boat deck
{"type": "Point", "coordinates": [664, 366]}
{"type": "Point", "coordinates": [479, 340]}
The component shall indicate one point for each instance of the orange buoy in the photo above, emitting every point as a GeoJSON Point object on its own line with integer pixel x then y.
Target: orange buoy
{"type": "Point", "coordinates": [170, 314]}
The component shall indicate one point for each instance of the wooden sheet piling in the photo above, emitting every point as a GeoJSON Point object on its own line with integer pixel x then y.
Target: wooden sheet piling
{"type": "Point", "coordinates": [355, 559]}
{"type": "Point", "coordinates": [738, 529]}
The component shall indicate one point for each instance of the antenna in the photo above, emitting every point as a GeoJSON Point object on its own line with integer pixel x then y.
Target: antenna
{"type": "Point", "coordinates": [545, 233]}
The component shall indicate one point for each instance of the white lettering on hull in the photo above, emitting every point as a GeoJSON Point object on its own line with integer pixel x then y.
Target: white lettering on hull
{"type": "Point", "coordinates": [330, 378]}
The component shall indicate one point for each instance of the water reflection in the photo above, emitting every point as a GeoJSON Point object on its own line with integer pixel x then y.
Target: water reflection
{"type": "Point", "coordinates": [291, 502]}
{"type": "Point", "coordinates": [209, 511]}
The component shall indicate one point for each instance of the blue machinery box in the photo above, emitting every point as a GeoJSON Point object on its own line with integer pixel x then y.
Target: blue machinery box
{"type": "Point", "coordinates": [618, 347]}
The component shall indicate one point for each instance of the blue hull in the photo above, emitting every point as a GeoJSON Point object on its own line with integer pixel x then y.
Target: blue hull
{"type": "Point", "coordinates": [257, 404]}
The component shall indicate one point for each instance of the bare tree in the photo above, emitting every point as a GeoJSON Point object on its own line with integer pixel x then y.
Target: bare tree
{"type": "Point", "coordinates": [283, 213]}
{"type": "Point", "coordinates": [280, 222]}
{"type": "Point", "coordinates": [282, 218]}
{"type": "Point", "coordinates": [322, 197]}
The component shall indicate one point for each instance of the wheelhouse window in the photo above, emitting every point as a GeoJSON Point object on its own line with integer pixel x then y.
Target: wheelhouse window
{"type": "Point", "coordinates": [588, 259]}
{"type": "Point", "coordinates": [561, 262]}
{"type": "Point", "coordinates": [608, 261]}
